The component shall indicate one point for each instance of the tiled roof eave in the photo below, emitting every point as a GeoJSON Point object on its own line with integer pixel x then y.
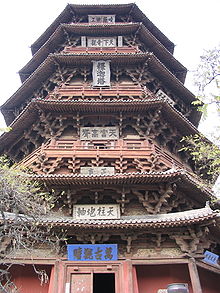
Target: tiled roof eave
{"type": "Point", "coordinates": [172, 220]}
{"type": "Point", "coordinates": [31, 110]}
{"type": "Point", "coordinates": [126, 178]}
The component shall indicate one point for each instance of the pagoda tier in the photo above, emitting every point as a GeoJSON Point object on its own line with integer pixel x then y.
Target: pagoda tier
{"type": "Point", "coordinates": [99, 120]}
{"type": "Point", "coordinates": [143, 192]}
{"type": "Point", "coordinates": [128, 13]}
{"type": "Point", "coordinates": [141, 73]}
{"type": "Point", "coordinates": [67, 38]}
{"type": "Point", "coordinates": [145, 126]}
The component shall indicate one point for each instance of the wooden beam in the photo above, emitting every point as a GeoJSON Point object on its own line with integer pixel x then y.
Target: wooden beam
{"type": "Point", "coordinates": [208, 267]}
{"type": "Point", "coordinates": [194, 276]}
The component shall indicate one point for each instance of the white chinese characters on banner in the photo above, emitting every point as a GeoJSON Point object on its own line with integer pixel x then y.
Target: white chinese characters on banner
{"type": "Point", "coordinates": [101, 73]}
{"type": "Point", "coordinates": [101, 42]}
{"type": "Point", "coordinates": [99, 133]}
{"type": "Point", "coordinates": [101, 18]}
{"type": "Point", "coordinates": [97, 171]}
{"type": "Point", "coordinates": [96, 211]}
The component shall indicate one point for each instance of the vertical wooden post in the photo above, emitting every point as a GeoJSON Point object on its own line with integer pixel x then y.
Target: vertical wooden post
{"type": "Point", "coordinates": [194, 276]}
{"type": "Point", "coordinates": [51, 284]}
{"type": "Point", "coordinates": [135, 283]}
{"type": "Point", "coordinates": [127, 277]}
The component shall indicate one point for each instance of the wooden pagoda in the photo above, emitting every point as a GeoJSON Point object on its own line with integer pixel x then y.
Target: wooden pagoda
{"type": "Point", "coordinates": [99, 118]}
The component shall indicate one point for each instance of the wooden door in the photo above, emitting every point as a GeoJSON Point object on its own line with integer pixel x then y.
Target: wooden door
{"type": "Point", "coordinates": [81, 283]}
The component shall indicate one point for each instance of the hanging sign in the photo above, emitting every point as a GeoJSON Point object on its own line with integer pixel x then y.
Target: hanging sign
{"type": "Point", "coordinates": [96, 211]}
{"type": "Point", "coordinates": [101, 42]}
{"type": "Point", "coordinates": [101, 73]}
{"type": "Point", "coordinates": [99, 133]}
{"type": "Point", "coordinates": [101, 18]}
{"type": "Point", "coordinates": [211, 258]}
{"type": "Point", "coordinates": [97, 171]}
{"type": "Point", "coordinates": [92, 252]}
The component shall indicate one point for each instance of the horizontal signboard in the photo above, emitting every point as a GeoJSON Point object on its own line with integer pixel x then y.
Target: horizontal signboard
{"type": "Point", "coordinates": [92, 252]}
{"type": "Point", "coordinates": [102, 18]}
{"type": "Point", "coordinates": [101, 42]}
{"type": "Point", "coordinates": [97, 171]}
{"type": "Point", "coordinates": [96, 211]}
{"type": "Point", "coordinates": [99, 133]}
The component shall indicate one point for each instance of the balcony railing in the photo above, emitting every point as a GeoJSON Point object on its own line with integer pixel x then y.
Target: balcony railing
{"type": "Point", "coordinates": [79, 90]}
{"type": "Point", "coordinates": [105, 50]}
{"type": "Point", "coordinates": [66, 149]}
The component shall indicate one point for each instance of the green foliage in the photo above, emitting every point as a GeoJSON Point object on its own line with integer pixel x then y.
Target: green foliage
{"type": "Point", "coordinates": [205, 154]}
{"type": "Point", "coordinates": [22, 204]}
{"type": "Point", "coordinates": [18, 194]}
{"type": "Point", "coordinates": [207, 80]}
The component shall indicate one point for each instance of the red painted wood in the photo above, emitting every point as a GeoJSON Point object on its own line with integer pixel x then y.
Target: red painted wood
{"type": "Point", "coordinates": [26, 279]}
{"type": "Point", "coordinates": [135, 282]}
{"type": "Point", "coordinates": [151, 278]}
{"type": "Point", "coordinates": [51, 283]}
{"type": "Point", "coordinates": [210, 281]}
{"type": "Point", "coordinates": [81, 283]}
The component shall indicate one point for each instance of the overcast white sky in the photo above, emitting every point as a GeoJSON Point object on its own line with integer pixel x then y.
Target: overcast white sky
{"type": "Point", "coordinates": [192, 25]}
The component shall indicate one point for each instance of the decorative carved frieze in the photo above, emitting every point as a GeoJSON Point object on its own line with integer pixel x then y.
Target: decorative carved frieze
{"type": "Point", "coordinates": [193, 240]}
{"type": "Point", "coordinates": [129, 238]}
{"type": "Point", "coordinates": [152, 163]}
{"type": "Point", "coordinates": [163, 200]}
{"type": "Point", "coordinates": [123, 199]}
{"type": "Point", "coordinates": [92, 238]}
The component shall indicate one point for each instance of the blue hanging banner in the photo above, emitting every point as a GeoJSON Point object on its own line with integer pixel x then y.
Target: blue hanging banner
{"type": "Point", "coordinates": [92, 252]}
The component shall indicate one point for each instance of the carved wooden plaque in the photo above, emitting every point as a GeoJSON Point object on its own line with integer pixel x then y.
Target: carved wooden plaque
{"type": "Point", "coordinates": [101, 18]}
{"type": "Point", "coordinates": [101, 42]}
{"type": "Point", "coordinates": [99, 133]}
{"type": "Point", "coordinates": [97, 171]}
{"type": "Point", "coordinates": [96, 211]}
{"type": "Point", "coordinates": [101, 73]}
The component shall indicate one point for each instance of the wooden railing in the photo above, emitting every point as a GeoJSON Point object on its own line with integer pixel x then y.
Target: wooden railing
{"type": "Point", "coordinates": [88, 90]}
{"type": "Point", "coordinates": [70, 149]}
{"type": "Point", "coordinates": [105, 50]}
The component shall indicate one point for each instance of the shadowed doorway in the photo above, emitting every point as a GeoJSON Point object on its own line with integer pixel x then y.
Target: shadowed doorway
{"type": "Point", "coordinates": [104, 283]}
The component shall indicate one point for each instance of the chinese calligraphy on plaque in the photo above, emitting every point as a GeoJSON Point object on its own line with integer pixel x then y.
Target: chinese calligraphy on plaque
{"type": "Point", "coordinates": [96, 211]}
{"type": "Point", "coordinates": [101, 18]}
{"type": "Point", "coordinates": [101, 42]}
{"type": "Point", "coordinates": [101, 73]}
{"type": "Point", "coordinates": [97, 171]}
{"type": "Point", "coordinates": [99, 133]}
{"type": "Point", "coordinates": [92, 252]}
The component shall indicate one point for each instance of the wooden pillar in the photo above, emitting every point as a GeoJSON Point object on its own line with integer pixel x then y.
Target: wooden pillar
{"type": "Point", "coordinates": [194, 276]}
{"type": "Point", "coordinates": [59, 278]}
{"type": "Point", "coordinates": [135, 282]}
{"type": "Point", "coordinates": [127, 280]}
{"type": "Point", "coordinates": [51, 284]}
